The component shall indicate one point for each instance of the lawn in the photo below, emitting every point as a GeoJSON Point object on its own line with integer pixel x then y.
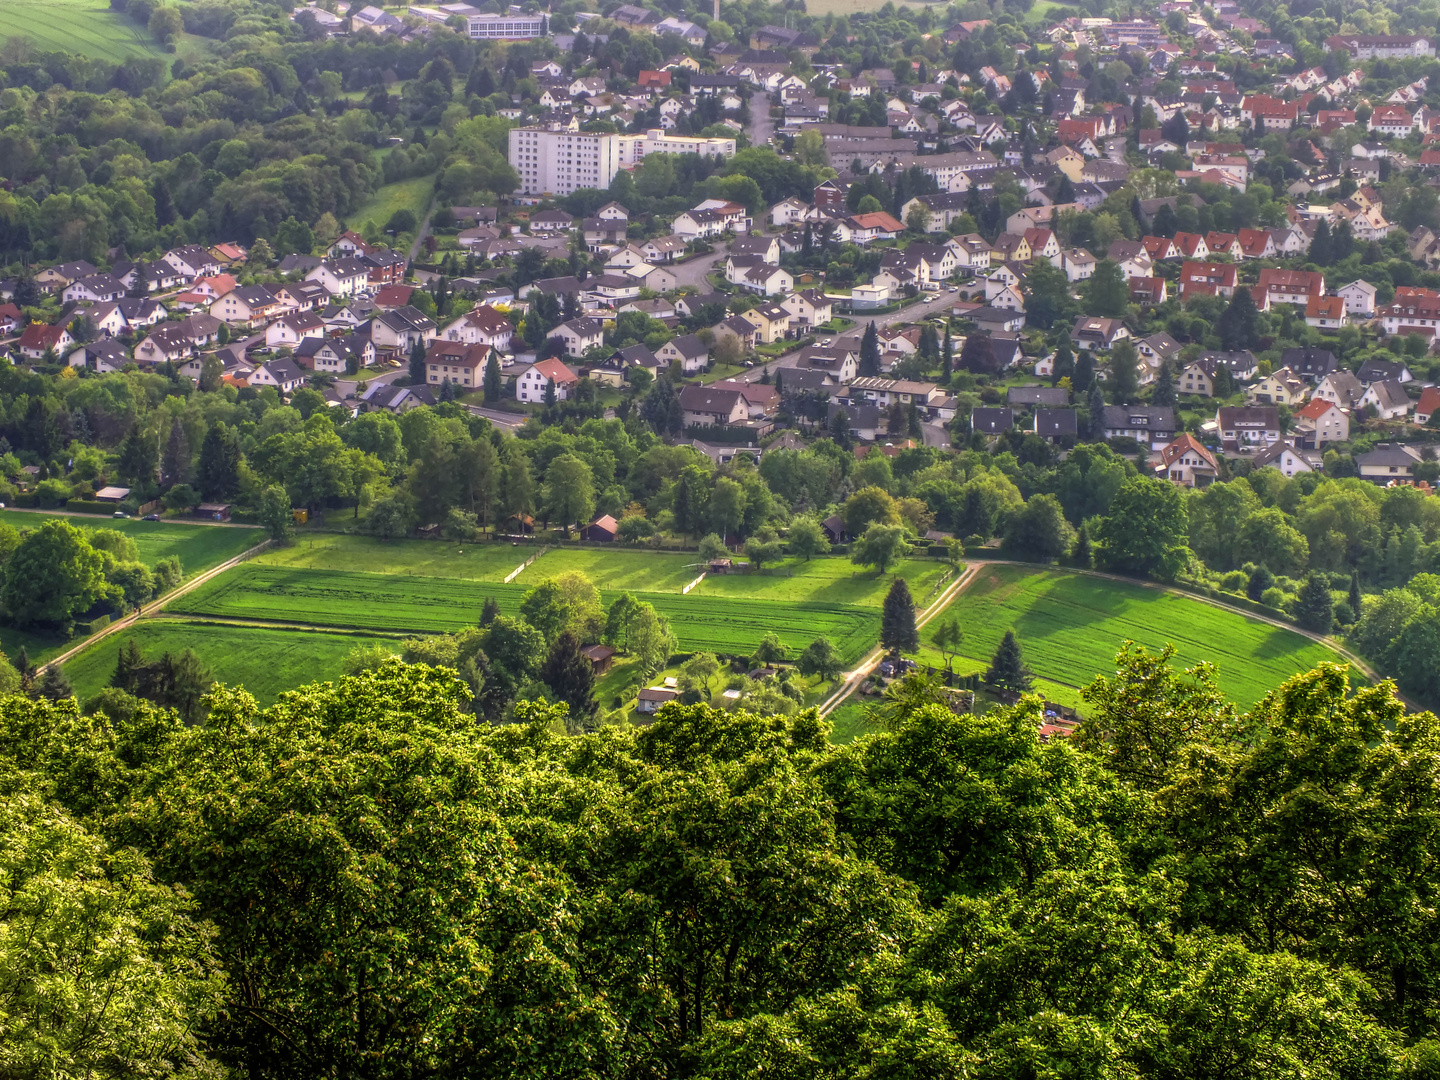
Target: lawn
{"type": "Point", "coordinates": [1070, 626]}
{"type": "Point", "coordinates": [414, 604]}
{"type": "Point", "coordinates": [413, 195]}
{"type": "Point", "coordinates": [87, 27]}
{"type": "Point", "coordinates": [265, 660]}
{"type": "Point", "coordinates": [427, 558]}
{"type": "Point", "coordinates": [199, 546]}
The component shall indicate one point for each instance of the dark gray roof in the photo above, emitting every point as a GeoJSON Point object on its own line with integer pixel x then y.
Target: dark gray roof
{"type": "Point", "coordinates": [1053, 423]}
{"type": "Point", "coordinates": [1038, 395]}
{"type": "Point", "coordinates": [992, 421]}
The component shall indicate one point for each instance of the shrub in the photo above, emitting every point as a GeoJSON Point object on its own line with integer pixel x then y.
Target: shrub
{"type": "Point", "coordinates": [1275, 598]}
{"type": "Point", "coordinates": [1234, 581]}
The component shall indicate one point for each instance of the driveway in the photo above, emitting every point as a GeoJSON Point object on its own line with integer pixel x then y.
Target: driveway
{"type": "Point", "coordinates": [693, 273]}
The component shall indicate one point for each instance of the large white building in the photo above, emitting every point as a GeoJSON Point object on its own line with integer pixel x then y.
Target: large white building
{"type": "Point", "coordinates": [559, 162]}
{"type": "Point", "coordinates": [507, 26]}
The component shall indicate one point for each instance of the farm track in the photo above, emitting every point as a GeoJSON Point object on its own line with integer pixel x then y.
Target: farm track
{"type": "Point", "coordinates": [155, 606]}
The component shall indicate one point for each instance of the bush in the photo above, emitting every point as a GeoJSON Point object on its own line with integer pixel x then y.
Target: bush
{"type": "Point", "coordinates": [86, 506]}
{"type": "Point", "coordinates": [1275, 598]}
{"type": "Point", "coordinates": [1234, 581]}
{"type": "Point", "coordinates": [51, 493]}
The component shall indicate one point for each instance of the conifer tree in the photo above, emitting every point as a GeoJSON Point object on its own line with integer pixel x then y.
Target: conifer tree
{"type": "Point", "coordinates": [1007, 667]}
{"type": "Point", "coordinates": [869, 366]}
{"type": "Point", "coordinates": [571, 678]}
{"type": "Point", "coordinates": [947, 354]}
{"type": "Point", "coordinates": [1080, 554]}
{"type": "Point", "coordinates": [492, 378]}
{"type": "Point", "coordinates": [1163, 392]}
{"type": "Point", "coordinates": [53, 685]}
{"type": "Point", "coordinates": [1239, 324]}
{"type": "Point", "coordinates": [1314, 609]}
{"type": "Point", "coordinates": [898, 632]}
{"type": "Point", "coordinates": [1355, 598]}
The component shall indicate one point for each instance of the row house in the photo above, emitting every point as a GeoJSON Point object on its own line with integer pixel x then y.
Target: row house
{"type": "Point", "coordinates": [1414, 311]}
{"type": "Point", "coordinates": [1207, 279]}
{"type": "Point", "coordinates": [1277, 286]}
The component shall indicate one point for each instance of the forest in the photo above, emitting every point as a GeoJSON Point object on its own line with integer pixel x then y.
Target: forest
{"type": "Point", "coordinates": [362, 881]}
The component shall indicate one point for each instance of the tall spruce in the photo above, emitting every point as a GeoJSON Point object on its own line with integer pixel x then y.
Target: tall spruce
{"type": "Point", "coordinates": [1355, 597]}
{"type": "Point", "coordinates": [492, 378]}
{"type": "Point", "coordinates": [1314, 608]}
{"type": "Point", "coordinates": [219, 463]}
{"type": "Point", "coordinates": [1007, 667]}
{"type": "Point", "coordinates": [869, 366]}
{"type": "Point", "coordinates": [947, 354]}
{"type": "Point", "coordinates": [571, 678]}
{"type": "Point", "coordinates": [1239, 324]}
{"type": "Point", "coordinates": [175, 464]}
{"type": "Point", "coordinates": [898, 632]}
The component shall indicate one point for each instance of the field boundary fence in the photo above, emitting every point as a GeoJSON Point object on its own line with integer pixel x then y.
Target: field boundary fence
{"type": "Point", "coordinates": [524, 566]}
{"type": "Point", "coordinates": [686, 590]}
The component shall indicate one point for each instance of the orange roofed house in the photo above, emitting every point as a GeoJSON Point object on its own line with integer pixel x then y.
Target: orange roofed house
{"type": "Point", "coordinates": [1278, 286]}
{"type": "Point", "coordinates": [1187, 463]}
{"type": "Point", "coordinates": [1413, 311]}
{"type": "Point", "coordinates": [1207, 279]}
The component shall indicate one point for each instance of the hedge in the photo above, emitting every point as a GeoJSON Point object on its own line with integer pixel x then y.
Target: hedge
{"type": "Point", "coordinates": [27, 499]}
{"type": "Point", "coordinates": [93, 626]}
{"type": "Point", "coordinates": [85, 506]}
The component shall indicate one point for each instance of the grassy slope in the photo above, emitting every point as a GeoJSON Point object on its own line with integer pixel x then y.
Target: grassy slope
{"type": "Point", "coordinates": [411, 195]}
{"type": "Point", "coordinates": [1070, 627]}
{"type": "Point", "coordinates": [199, 546]}
{"type": "Point", "coordinates": [265, 661]}
{"type": "Point", "coordinates": [87, 27]}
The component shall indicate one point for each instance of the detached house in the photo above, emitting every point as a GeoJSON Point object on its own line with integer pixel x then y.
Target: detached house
{"type": "Point", "coordinates": [1187, 463]}
{"type": "Point", "coordinates": [532, 383]}
{"type": "Point", "coordinates": [689, 351]}
{"type": "Point", "coordinates": [580, 335]}
{"type": "Point", "coordinates": [1278, 286]}
{"type": "Point", "coordinates": [1246, 428]}
{"type": "Point", "coordinates": [1098, 334]}
{"type": "Point", "coordinates": [1318, 422]}
{"type": "Point", "coordinates": [1388, 399]}
{"type": "Point", "coordinates": [453, 362]}
{"type": "Point", "coordinates": [1207, 279]}
{"type": "Point", "coordinates": [1325, 312]}
{"type": "Point", "coordinates": [713, 406]}
{"type": "Point", "coordinates": [341, 277]}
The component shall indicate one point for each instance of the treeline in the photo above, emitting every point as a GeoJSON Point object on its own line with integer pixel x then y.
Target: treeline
{"type": "Point", "coordinates": [1180, 889]}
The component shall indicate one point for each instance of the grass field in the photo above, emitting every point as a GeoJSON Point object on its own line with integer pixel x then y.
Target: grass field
{"type": "Point", "coordinates": [1070, 626]}
{"type": "Point", "coordinates": [412, 604]}
{"type": "Point", "coordinates": [413, 195]}
{"type": "Point", "coordinates": [266, 661]}
{"type": "Point", "coordinates": [199, 546]}
{"type": "Point", "coordinates": [87, 27]}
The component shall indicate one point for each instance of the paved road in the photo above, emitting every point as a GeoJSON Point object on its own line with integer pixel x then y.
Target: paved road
{"type": "Point", "coordinates": [346, 387]}
{"type": "Point", "coordinates": [693, 272]}
{"type": "Point", "coordinates": [499, 416]}
{"type": "Point", "coordinates": [762, 125]}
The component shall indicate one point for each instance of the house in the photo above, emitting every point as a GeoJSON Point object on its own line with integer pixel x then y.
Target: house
{"type": "Point", "coordinates": [1279, 286]}
{"type": "Point", "coordinates": [1359, 297]}
{"type": "Point", "coordinates": [651, 698]}
{"type": "Point", "coordinates": [1341, 389]}
{"type": "Point", "coordinates": [771, 322]}
{"type": "Point", "coordinates": [1312, 365]}
{"type": "Point", "coordinates": [1256, 244]}
{"type": "Point", "coordinates": [1056, 425]}
{"type": "Point", "coordinates": [688, 351]}
{"type": "Point", "coordinates": [336, 355]}
{"type": "Point", "coordinates": [246, 305]}
{"type": "Point", "coordinates": [766, 248]}
{"type": "Point", "coordinates": [1387, 462]}
{"type": "Point", "coordinates": [290, 330]}
{"type": "Point", "coordinates": [741, 329]}
{"type": "Point", "coordinates": [283, 373]}
{"type": "Point", "coordinates": [1244, 428]}
{"type": "Point", "coordinates": [483, 326]}
{"type": "Point", "coordinates": [1325, 312]}
{"type": "Point", "coordinates": [663, 249]}
{"type": "Point", "coordinates": [1318, 422]}
{"type": "Point", "coordinates": [1187, 463]}
{"type": "Point", "coordinates": [401, 329]}
{"type": "Point", "coordinates": [1098, 334]}
{"type": "Point", "coordinates": [1078, 264]}
{"type": "Point", "coordinates": [455, 362]}
{"type": "Point", "coordinates": [1287, 459]}
{"type": "Point", "coordinates": [992, 421]}
{"type": "Point", "coordinates": [55, 278]}
{"type": "Point", "coordinates": [192, 261]}
{"type": "Point", "coordinates": [1221, 243]}
{"type": "Point", "coordinates": [1148, 291]}
{"type": "Point", "coordinates": [37, 339]}
{"type": "Point", "coordinates": [341, 277]}
{"type": "Point", "coordinates": [1152, 425]}
{"type": "Point", "coordinates": [602, 530]}
{"type": "Point", "coordinates": [713, 406]}
{"type": "Point", "coordinates": [809, 308]}
{"type": "Point", "coordinates": [1374, 369]}
{"type": "Point", "coordinates": [532, 383]}
{"type": "Point", "coordinates": [1428, 405]}
{"type": "Point", "coordinates": [102, 355]}
{"type": "Point", "coordinates": [95, 289]}
{"type": "Point", "coordinates": [1281, 387]}
{"type": "Point", "coordinates": [1388, 399]}
{"type": "Point", "coordinates": [396, 399]}
{"type": "Point", "coordinates": [1414, 310]}
{"type": "Point", "coordinates": [838, 363]}
{"type": "Point", "coordinates": [1207, 279]}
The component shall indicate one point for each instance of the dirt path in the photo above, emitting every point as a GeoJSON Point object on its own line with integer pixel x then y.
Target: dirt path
{"type": "Point", "coordinates": [854, 678]}
{"type": "Point", "coordinates": [972, 571]}
{"type": "Point", "coordinates": [156, 605]}
{"type": "Point", "coordinates": [101, 519]}
{"type": "Point", "coordinates": [422, 232]}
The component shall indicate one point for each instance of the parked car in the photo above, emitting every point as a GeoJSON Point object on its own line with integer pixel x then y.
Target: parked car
{"type": "Point", "coordinates": [151, 517]}
{"type": "Point", "coordinates": [120, 514]}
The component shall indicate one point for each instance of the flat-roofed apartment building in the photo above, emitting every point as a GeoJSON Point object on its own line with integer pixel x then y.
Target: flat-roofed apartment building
{"type": "Point", "coordinates": [559, 162]}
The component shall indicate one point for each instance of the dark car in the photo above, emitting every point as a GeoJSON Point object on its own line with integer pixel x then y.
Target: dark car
{"type": "Point", "coordinates": [151, 517]}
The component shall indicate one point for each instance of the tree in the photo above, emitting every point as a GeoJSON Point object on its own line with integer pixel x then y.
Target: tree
{"type": "Point", "coordinates": [175, 464]}
{"type": "Point", "coordinates": [1106, 293]}
{"type": "Point", "coordinates": [947, 355]}
{"type": "Point", "coordinates": [948, 637]}
{"type": "Point", "coordinates": [764, 547]}
{"type": "Point", "coordinates": [898, 632]}
{"type": "Point", "coordinates": [1314, 608]}
{"type": "Point", "coordinates": [650, 639]}
{"type": "Point", "coordinates": [618, 620]}
{"type": "Point", "coordinates": [277, 516]}
{"type": "Point", "coordinates": [807, 539]}
{"type": "Point", "coordinates": [488, 611]}
{"type": "Point", "coordinates": [1007, 668]}
{"type": "Point", "coordinates": [1146, 529]}
{"type": "Point", "coordinates": [1322, 245]}
{"type": "Point", "coordinates": [139, 458]}
{"type": "Point", "coordinates": [1239, 324]}
{"type": "Point", "coordinates": [571, 678]}
{"type": "Point", "coordinates": [1124, 372]}
{"type": "Point", "coordinates": [417, 364]}
{"type": "Point", "coordinates": [696, 673]}
{"type": "Point", "coordinates": [1163, 392]}
{"type": "Point", "coordinates": [712, 548]}
{"type": "Point", "coordinates": [1080, 554]}
{"type": "Point", "coordinates": [869, 363]}
{"type": "Point", "coordinates": [53, 685]}
{"type": "Point", "coordinates": [1039, 532]}
{"type": "Point", "coordinates": [492, 378]}
{"type": "Point", "coordinates": [869, 505]}
{"type": "Point", "coordinates": [977, 355]}
{"type": "Point", "coordinates": [878, 546]}
{"type": "Point", "coordinates": [393, 517]}
{"type": "Point", "coordinates": [53, 575]}
{"type": "Point", "coordinates": [1355, 597]}
{"type": "Point", "coordinates": [1095, 411]}
{"type": "Point", "coordinates": [569, 493]}
{"type": "Point", "coordinates": [771, 650]}
{"type": "Point", "coordinates": [820, 658]}
{"type": "Point", "coordinates": [1048, 295]}
{"type": "Point", "coordinates": [141, 977]}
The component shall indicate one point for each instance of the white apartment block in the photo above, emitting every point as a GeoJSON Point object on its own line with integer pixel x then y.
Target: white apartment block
{"type": "Point", "coordinates": [507, 27]}
{"type": "Point", "coordinates": [559, 162]}
{"type": "Point", "coordinates": [633, 148]}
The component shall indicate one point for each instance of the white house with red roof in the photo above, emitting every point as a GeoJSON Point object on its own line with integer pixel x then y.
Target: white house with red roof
{"type": "Point", "coordinates": [1187, 463]}
{"type": "Point", "coordinates": [1318, 422]}
{"type": "Point", "coordinates": [531, 384]}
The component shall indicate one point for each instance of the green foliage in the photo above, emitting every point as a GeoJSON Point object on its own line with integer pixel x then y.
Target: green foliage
{"type": "Point", "coordinates": [1007, 668]}
{"type": "Point", "coordinates": [898, 631]}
